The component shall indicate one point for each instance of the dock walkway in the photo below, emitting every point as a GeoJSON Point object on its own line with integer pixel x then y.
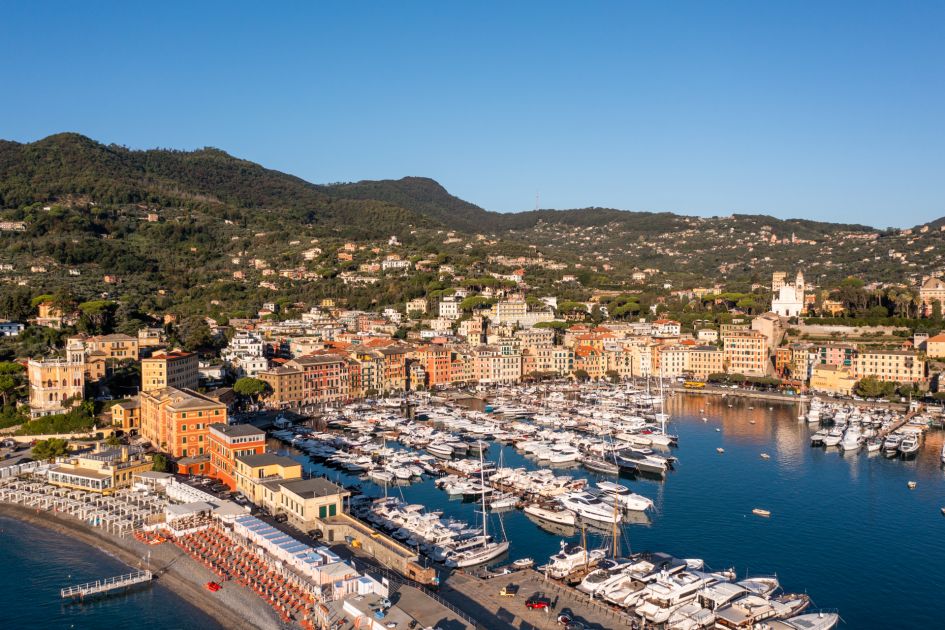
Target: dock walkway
{"type": "Point", "coordinates": [100, 587]}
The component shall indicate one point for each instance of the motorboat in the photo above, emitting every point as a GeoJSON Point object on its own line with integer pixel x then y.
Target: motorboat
{"type": "Point", "coordinates": [569, 559]}
{"type": "Point", "coordinates": [625, 498]}
{"type": "Point", "coordinates": [561, 517]}
{"type": "Point", "coordinates": [633, 460]}
{"type": "Point", "coordinates": [443, 451]}
{"type": "Point", "coordinates": [761, 585]}
{"type": "Point", "coordinates": [600, 465]}
{"type": "Point", "coordinates": [607, 571]}
{"type": "Point", "coordinates": [503, 501]}
{"type": "Point", "coordinates": [852, 439]}
{"type": "Point", "coordinates": [891, 443]}
{"type": "Point", "coordinates": [909, 445]}
{"type": "Point", "coordinates": [833, 437]}
{"type": "Point", "coordinates": [873, 445]}
{"type": "Point", "coordinates": [670, 592]}
{"type": "Point", "coordinates": [817, 438]}
{"type": "Point", "coordinates": [591, 507]}
{"type": "Point", "coordinates": [808, 621]}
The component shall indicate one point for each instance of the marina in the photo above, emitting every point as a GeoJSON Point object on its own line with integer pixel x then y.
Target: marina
{"type": "Point", "coordinates": [696, 489]}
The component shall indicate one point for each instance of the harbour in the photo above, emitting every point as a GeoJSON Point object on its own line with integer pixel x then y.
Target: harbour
{"type": "Point", "coordinates": [702, 509]}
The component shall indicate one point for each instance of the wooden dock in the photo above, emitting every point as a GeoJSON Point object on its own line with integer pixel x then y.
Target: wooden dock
{"type": "Point", "coordinates": [102, 587]}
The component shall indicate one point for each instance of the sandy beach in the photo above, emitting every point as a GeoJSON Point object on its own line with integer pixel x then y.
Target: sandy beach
{"type": "Point", "coordinates": [234, 606]}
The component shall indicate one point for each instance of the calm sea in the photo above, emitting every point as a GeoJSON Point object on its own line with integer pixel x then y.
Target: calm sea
{"type": "Point", "coordinates": [844, 528]}
{"type": "Point", "coordinates": [35, 563]}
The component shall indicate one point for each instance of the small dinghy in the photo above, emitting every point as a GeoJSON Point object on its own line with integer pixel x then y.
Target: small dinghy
{"type": "Point", "coordinates": [720, 450]}
{"type": "Point", "coordinates": [523, 563]}
{"type": "Point", "coordinates": [765, 456]}
{"type": "Point", "coordinates": [760, 512]}
{"type": "Point", "coordinates": [912, 485]}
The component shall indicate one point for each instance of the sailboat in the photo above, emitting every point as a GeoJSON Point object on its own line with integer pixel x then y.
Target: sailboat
{"type": "Point", "coordinates": [488, 549]}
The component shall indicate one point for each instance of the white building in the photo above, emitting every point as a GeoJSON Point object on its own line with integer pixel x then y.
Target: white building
{"type": "Point", "coordinates": [449, 307]}
{"type": "Point", "coordinates": [788, 301]}
{"type": "Point", "coordinates": [245, 354]}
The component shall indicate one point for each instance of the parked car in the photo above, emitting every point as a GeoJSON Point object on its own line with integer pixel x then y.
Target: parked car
{"type": "Point", "coordinates": [537, 602]}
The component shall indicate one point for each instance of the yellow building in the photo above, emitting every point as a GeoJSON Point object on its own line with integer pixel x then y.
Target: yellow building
{"type": "Point", "coordinates": [170, 369]}
{"type": "Point", "coordinates": [116, 347]}
{"type": "Point", "coordinates": [935, 346]}
{"type": "Point", "coordinates": [253, 471]}
{"type": "Point", "coordinates": [705, 360]}
{"type": "Point", "coordinates": [103, 470]}
{"type": "Point", "coordinates": [305, 500]}
{"type": "Point", "coordinates": [126, 414]}
{"type": "Point", "coordinates": [832, 379]}
{"type": "Point", "coordinates": [898, 366]}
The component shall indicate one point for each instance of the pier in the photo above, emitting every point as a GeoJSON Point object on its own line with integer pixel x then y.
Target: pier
{"type": "Point", "coordinates": [102, 587]}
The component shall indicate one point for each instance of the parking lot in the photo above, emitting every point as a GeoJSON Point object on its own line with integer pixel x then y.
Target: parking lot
{"type": "Point", "coordinates": [512, 612]}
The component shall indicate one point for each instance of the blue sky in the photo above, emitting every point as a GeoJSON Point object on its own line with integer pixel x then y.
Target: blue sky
{"type": "Point", "coordinates": [824, 110]}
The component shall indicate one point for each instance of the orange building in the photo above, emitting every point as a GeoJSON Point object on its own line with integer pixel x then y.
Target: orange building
{"type": "Point", "coordinates": [229, 441]}
{"type": "Point", "coordinates": [435, 360]}
{"type": "Point", "coordinates": [177, 422]}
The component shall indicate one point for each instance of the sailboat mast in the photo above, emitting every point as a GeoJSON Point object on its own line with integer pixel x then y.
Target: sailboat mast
{"type": "Point", "coordinates": [616, 535]}
{"type": "Point", "coordinates": [482, 482]}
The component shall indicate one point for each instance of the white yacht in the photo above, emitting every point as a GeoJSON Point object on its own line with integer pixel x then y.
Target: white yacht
{"type": "Point", "coordinates": [852, 439]}
{"type": "Point", "coordinates": [561, 517]}
{"type": "Point", "coordinates": [664, 596]}
{"type": "Point", "coordinates": [809, 621]}
{"type": "Point", "coordinates": [607, 572]}
{"type": "Point", "coordinates": [834, 437]}
{"type": "Point", "coordinates": [590, 507]}
{"type": "Point", "coordinates": [909, 445]}
{"type": "Point", "coordinates": [625, 498]}
{"type": "Point", "coordinates": [569, 559]}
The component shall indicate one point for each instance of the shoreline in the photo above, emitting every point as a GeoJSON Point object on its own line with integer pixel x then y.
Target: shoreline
{"type": "Point", "coordinates": [232, 607]}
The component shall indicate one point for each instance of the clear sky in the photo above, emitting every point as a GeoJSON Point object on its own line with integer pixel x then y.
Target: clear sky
{"type": "Point", "coordinates": [828, 110]}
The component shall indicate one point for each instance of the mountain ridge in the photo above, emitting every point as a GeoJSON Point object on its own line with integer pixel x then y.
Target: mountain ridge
{"type": "Point", "coordinates": [117, 174]}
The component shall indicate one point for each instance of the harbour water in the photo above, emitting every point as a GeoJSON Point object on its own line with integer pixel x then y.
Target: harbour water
{"type": "Point", "coordinates": [37, 562]}
{"type": "Point", "coordinates": [843, 528]}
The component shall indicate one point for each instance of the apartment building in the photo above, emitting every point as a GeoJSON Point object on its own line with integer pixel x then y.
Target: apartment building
{"type": "Point", "coordinates": [287, 384]}
{"type": "Point", "coordinates": [325, 378]}
{"type": "Point", "coordinates": [176, 369]}
{"type": "Point", "coordinates": [177, 421]}
{"type": "Point", "coordinates": [229, 441]}
{"type": "Point", "coordinates": [704, 360]}
{"type": "Point", "coordinates": [492, 365]}
{"type": "Point", "coordinates": [746, 352]}
{"type": "Point", "coordinates": [898, 366]}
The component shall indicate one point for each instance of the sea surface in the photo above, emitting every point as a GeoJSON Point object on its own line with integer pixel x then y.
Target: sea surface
{"type": "Point", "coordinates": [36, 562]}
{"type": "Point", "coordinates": [845, 529]}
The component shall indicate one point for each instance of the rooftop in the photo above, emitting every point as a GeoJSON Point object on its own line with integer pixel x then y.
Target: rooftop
{"type": "Point", "coordinates": [266, 459]}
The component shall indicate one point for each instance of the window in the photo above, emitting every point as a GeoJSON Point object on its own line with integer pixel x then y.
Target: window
{"type": "Point", "coordinates": [322, 511]}
{"type": "Point", "coordinates": [332, 509]}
